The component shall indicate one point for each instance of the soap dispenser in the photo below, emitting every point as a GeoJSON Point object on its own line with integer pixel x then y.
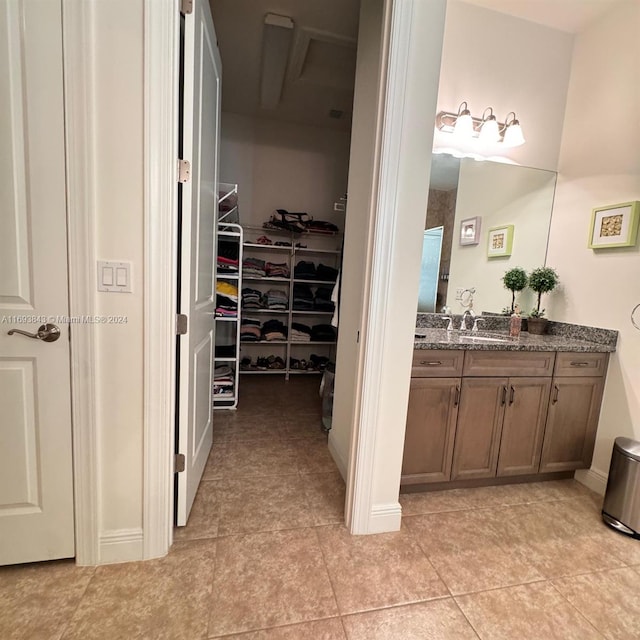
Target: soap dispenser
{"type": "Point", "coordinates": [515, 325]}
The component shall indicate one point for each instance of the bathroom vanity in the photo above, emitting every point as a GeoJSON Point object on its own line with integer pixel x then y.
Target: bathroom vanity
{"type": "Point", "coordinates": [487, 409]}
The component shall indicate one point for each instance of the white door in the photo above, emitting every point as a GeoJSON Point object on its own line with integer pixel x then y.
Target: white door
{"type": "Point", "coordinates": [199, 207]}
{"type": "Point", "coordinates": [36, 490]}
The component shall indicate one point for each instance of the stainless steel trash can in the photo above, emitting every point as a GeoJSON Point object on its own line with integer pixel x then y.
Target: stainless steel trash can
{"type": "Point", "coordinates": [621, 507]}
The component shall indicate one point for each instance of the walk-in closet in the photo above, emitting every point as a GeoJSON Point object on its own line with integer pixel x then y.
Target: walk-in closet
{"type": "Point", "coordinates": [288, 75]}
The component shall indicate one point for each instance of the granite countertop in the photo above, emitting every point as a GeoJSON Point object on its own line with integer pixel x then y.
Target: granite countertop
{"type": "Point", "coordinates": [484, 341]}
{"type": "Point", "coordinates": [431, 334]}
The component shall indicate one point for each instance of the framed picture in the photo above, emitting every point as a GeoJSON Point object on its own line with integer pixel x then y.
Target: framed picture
{"type": "Point", "coordinates": [500, 241]}
{"type": "Point", "coordinates": [470, 230]}
{"type": "Point", "coordinates": [614, 226]}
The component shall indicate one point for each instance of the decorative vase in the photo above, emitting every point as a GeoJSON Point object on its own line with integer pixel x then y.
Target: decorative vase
{"type": "Point", "coordinates": [537, 326]}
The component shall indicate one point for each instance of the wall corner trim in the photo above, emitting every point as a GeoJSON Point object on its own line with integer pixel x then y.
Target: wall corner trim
{"type": "Point", "coordinates": [385, 517]}
{"type": "Point", "coordinates": [161, 59]}
{"type": "Point", "coordinates": [387, 218]}
{"type": "Point", "coordinates": [121, 545]}
{"type": "Point", "coordinates": [79, 79]}
{"type": "Point", "coordinates": [593, 479]}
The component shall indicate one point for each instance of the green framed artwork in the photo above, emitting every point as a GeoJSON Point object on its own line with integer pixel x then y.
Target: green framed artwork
{"type": "Point", "coordinates": [500, 241]}
{"type": "Point", "coordinates": [614, 226]}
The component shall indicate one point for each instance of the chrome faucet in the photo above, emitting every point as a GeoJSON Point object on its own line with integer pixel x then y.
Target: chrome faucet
{"type": "Point", "coordinates": [463, 321]}
{"type": "Point", "coordinates": [449, 324]}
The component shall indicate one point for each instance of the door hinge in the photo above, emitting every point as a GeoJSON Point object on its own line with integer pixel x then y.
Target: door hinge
{"type": "Point", "coordinates": [179, 463]}
{"type": "Point", "coordinates": [184, 171]}
{"type": "Point", "coordinates": [186, 7]}
{"type": "Point", "coordinates": [181, 324]}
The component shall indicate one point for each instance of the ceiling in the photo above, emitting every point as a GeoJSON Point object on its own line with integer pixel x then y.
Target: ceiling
{"type": "Point", "coordinates": [321, 65]}
{"type": "Point", "coordinates": [565, 15]}
{"type": "Point", "coordinates": [320, 73]}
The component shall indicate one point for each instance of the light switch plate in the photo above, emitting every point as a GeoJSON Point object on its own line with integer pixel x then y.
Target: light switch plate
{"type": "Point", "coordinates": [114, 276]}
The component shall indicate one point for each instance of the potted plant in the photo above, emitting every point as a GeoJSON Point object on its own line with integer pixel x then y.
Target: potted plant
{"type": "Point", "coordinates": [542, 280]}
{"type": "Point", "coordinates": [515, 280]}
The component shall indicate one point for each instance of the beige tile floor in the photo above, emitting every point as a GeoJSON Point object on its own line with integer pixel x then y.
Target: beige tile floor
{"type": "Point", "coordinates": [265, 556]}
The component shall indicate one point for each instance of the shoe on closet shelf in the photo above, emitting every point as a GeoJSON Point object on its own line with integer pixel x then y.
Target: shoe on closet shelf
{"type": "Point", "coordinates": [264, 240]}
{"type": "Point", "coordinates": [262, 363]}
{"type": "Point", "coordinates": [275, 362]}
{"type": "Point", "coordinates": [245, 363]}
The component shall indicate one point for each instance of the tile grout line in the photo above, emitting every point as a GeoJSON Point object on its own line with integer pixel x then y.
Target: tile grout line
{"type": "Point", "coordinates": [593, 626]}
{"type": "Point", "coordinates": [80, 599]}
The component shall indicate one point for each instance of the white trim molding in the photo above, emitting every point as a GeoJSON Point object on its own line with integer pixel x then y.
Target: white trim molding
{"type": "Point", "coordinates": [161, 59]}
{"type": "Point", "coordinates": [121, 545]}
{"type": "Point", "coordinates": [78, 55]}
{"type": "Point", "coordinates": [386, 220]}
{"type": "Point", "coordinates": [593, 479]}
{"type": "Point", "coordinates": [415, 48]}
{"type": "Point", "coordinates": [385, 517]}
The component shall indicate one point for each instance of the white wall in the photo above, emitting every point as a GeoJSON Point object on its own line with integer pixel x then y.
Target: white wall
{"type": "Point", "coordinates": [279, 165]}
{"type": "Point", "coordinates": [365, 145]}
{"type": "Point", "coordinates": [491, 59]}
{"type": "Point", "coordinates": [119, 236]}
{"type": "Point", "coordinates": [600, 165]}
{"type": "Point", "coordinates": [500, 194]}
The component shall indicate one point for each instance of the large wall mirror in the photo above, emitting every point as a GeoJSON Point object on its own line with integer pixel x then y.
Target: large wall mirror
{"type": "Point", "coordinates": [492, 195]}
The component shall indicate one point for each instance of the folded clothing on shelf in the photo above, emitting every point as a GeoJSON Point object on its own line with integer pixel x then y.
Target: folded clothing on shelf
{"type": "Point", "coordinates": [324, 272]}
{"type": "Point", "coordinates": [226, 299]}
{"type": "Point", "coordinates": [323, 333]}
{"type": "Point", "coordinates": [302, 297]}
{"type": "Point", "coordinates": [252, 299]}
{"type": "Point", "coordinates": [322, 299]}
{"type": "Point", "coordinates": [223, 381]}
{"type": "Point", "coordinates": [277, 270]}
{"type": "Point", "coordinates": [253, 268]}
{"type": "Point", "coordinates": [305, 270]}
{"type": "Point", "coordinates": [274, 330]}
{"type": "Point", "coordinates": [300, 332]}
{"type": "Point", "coordinates": [277, 300]}
{"type": "Point", "coordinates": [250, 330]}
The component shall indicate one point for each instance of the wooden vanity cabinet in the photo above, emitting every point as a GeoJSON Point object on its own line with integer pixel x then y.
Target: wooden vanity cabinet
{"type": "Point", "coordinates": [432, 415]}
{"type": "Point", "coordinates": [505, 415]}
{"type": "Point", "coordinates": [500, 427]}
{"type": "Point", "coordinates": [431, 428]}
{"type": "Point", "coordinates": [574, 410]}
{"type": "Point", "coordinates": [503, 409]}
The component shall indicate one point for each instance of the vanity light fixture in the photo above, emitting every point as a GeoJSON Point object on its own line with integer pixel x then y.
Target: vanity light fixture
{"type": "Point", "coordinates": [513, 132]}
{"type": "Point", "coordinates": [463, 127]}
{"type": "Point", "coordinates": [487, 128]}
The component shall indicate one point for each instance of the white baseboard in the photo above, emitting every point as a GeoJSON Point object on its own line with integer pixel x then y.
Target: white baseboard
{"type": "Point", "coordinates": [593, 479]}
{"type": "Point", "coordinates": [121, 545]}
{"type": "Point", "coordinates": [341, 462]}
{"type": "Point", "coordinates": [385, 518]}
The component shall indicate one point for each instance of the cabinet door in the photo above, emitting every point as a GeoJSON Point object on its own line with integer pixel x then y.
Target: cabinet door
{"type": "Point", "coordinates": [480, 416]}
{"type": "Point", "coordinates": [572, 423]}
{"type": "Point", "coordinates": [523, 428]}
{"type": "Point", "coordinates": [431, 425]}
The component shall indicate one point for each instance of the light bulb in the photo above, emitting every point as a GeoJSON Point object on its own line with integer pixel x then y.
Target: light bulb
{"type": "Point", "coordinates": [490, 131]}
{"type": "Point", "coordinates": [464, 125]}
{"type": "Point", "coordinates": [513, 135]}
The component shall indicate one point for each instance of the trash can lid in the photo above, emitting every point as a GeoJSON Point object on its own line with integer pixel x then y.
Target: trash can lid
{"type": "Point", "coordinates": [629, 447]}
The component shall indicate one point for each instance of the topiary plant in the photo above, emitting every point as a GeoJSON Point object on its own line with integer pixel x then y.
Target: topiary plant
{"type": "Point", "coordinates": [515, 280]}
{"type": "Point", "coordinates": [542, 280]}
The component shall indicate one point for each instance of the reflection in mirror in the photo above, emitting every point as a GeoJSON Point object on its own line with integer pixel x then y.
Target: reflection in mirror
{"type": "Point", "coordinates": [500, 194]}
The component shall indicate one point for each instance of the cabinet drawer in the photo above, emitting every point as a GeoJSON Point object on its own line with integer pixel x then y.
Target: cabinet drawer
{"type": "Point", "coordinates": [509, 363]}
{"type": "Point", "coordinates": [581, 364]}
{"type": "Point", "coordinates": [428, 363]}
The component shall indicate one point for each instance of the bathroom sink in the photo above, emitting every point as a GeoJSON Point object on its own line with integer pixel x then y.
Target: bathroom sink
{"type": "Point", "coordinates": [504, 339]}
